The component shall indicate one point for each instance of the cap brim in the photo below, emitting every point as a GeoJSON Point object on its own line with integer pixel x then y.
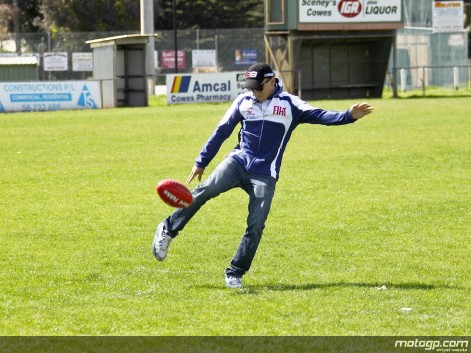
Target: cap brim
{"type": "Point", "coordinates": [251, 83]}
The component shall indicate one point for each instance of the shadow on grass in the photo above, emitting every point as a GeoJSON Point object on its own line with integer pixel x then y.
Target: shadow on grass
{"type": "Point", "coordinates": [389, 286]}
{"type": "Point", "coordinates": [281, 287]}
{"type": "Point", "coordinates": [419, 96]}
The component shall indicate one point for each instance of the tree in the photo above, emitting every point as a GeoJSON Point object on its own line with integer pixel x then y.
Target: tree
{"type": "Point", "coordinates": [28, 15]}
{"type": "Point", "coordinates": [124, 15]}
{"type": "Point", "coordinates": [89, 16]}
{"type": "Point", "coordinates": [6, 18]}
{"type": "Point", "coordinates": [209, 14]}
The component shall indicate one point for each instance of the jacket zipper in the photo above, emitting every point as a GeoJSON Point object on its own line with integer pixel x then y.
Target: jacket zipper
{"type": "Point", "coordinates": [260, 137]}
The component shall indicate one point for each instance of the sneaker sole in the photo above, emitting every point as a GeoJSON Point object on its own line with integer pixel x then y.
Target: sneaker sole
{"type": "Point", "coordinates": [233, 287]}
{"type": "Point", "coordinates": [154, 248]}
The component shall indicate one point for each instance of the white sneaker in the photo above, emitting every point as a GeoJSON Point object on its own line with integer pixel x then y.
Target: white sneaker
{"type": "Point", "coordinates": [161, 242]}
{"type": "Point", "coordinates": [233, 282]}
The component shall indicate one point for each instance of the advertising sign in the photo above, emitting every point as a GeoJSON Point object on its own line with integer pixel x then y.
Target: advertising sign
{"type": "Point", "coordinates": [201, 88]}
{"type": "Point", "coordinates": [448, 16]}
{"type": "Point", "coordinates": [349, 11]}
{"type": "Point", "coordinates": [203, 58]}
{"type": "Point", "coordinates": [168, 59]}
{"type": "Point", "coordinates": [82, 61]}
{"type": "Point", "coordinates": [55, 61]}
{"type": "Point", "coordinates": [245, 57]}
{"type": "Point", "coordinates": [51, 95]}
{"type": "Point", "coordinates": [456, 40]}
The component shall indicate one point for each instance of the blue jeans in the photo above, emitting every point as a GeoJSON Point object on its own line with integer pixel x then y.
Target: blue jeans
{"type": "Point", "coordinates": [230, 174]}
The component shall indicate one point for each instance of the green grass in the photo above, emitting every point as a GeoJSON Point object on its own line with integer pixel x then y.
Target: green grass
{"type": "Point", "coordinates": [383, 202]}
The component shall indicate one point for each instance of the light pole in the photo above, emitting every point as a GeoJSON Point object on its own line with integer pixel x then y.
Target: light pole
{"type": "Point", "coordinates": [175, 42]}
{"type": "Point", "coordinates": [16, 26]}
{"type": "Point", "coordinates": [147, 28]}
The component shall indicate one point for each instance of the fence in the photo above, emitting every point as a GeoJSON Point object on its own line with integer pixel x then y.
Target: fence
{"type": "Point", "coordinates": [445, 76]}
{"type": "Point", "coordinates": [427, 60]}
{"type": "Point", "coordinates": [227, 43]}
{"type": "Point", "coordinates": [424, 59]}
{"type": "Point", "coordinates": [423, 77]}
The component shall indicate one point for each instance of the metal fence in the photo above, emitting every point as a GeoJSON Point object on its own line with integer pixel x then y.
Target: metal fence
{"type": "Point", "coordinates": [423, 77]}
{"type": "Point", "coordinates": [454, 77]}
{"type": "Point", "coordinates": [226, 42]}
{"type": "Point", "coordinates": [425, 59]}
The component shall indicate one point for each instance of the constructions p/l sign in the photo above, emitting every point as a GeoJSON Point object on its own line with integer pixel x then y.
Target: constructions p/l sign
{"type": "Point", "coordinates": [349, 11]}
{"type": "Point", "coordinates": [49, 95]}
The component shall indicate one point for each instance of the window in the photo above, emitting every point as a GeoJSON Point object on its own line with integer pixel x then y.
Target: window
{"type": "Point", "coordinates": [275, 11]}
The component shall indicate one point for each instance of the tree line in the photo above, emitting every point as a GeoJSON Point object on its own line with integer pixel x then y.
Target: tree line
{"type": "Point", "coordinates": [32, 16]}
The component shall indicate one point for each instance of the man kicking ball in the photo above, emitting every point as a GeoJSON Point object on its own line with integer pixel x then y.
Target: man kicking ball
{"type": "Point", "coordinates": [267, 117]}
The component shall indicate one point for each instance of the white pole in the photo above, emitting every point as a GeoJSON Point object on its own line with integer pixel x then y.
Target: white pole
{"type": "Point", "coordinates": [147, 27]}
{"type": "Point", "coordinates": [456, 78]}
{"type": "Point", "coordinates": [469, 74]}
{"type": "Point", "coordinates": [16, 26]}
{"type": "Point", "coordinates": [423, 82]}
{"type": "Point", "coordinates": [403, 80]}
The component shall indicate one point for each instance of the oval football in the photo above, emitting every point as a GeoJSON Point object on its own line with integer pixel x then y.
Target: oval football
{"type": "Point", "coordinates": [174, 193]}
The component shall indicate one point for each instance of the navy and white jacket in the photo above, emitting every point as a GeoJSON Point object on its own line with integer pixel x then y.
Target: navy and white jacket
{"type": "Point", "coordinates": [265, 129]}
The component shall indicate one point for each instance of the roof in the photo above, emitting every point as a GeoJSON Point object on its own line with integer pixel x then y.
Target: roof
{"type": "Point", "coordinates": [123, 39]}
{"type": "Point", "coordinates": [19, 60]}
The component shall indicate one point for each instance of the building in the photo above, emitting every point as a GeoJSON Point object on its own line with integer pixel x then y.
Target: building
{"type": "Point", "coordinates": [353, 48]}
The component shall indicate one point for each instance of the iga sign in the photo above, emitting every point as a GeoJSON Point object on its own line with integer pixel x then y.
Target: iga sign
{"type": "Point", "coordinates": [349, 11]}
{"type": "Point", "coordinates": [202, 88]}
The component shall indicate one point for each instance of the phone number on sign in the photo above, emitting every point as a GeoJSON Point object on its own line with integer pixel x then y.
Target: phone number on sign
{"type": "Point", "coordinates": [40, 107]}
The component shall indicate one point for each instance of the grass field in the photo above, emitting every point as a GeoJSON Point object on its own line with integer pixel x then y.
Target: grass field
{"type": "Point", "coordinates": [367, 219]}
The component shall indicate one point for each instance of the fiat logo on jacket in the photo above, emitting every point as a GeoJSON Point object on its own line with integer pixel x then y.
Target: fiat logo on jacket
{"type": "Point", "coordinates": [349, 8]}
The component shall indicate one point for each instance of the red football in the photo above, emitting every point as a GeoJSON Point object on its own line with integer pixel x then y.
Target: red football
{"type": "Point", "coordinates": [174, 193]}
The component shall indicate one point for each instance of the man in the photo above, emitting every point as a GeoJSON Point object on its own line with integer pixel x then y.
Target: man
{"type": "Point", "coordinates": [267, 116]}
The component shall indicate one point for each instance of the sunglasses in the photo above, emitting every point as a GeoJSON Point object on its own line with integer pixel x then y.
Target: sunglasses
{"type": "Point", "coordinates": [260, 87]}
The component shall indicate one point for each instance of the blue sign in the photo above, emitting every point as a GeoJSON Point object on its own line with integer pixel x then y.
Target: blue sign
{"type": "Point", "coordinates": [50, 95]}
{"type": "Point", "coordinates": [41, 97]}
{"type": "Point", "coordinates": [246, 56]}
{"type": "Point", "coordinates": [86, 99]}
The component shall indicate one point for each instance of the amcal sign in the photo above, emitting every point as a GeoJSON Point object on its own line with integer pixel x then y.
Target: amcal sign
{"type": "Point", "coordinates": [181, 84]}
{"type": "Point", "coordinates": [349, 8]}
{"type": "Point", "coordinates": [201, 88]}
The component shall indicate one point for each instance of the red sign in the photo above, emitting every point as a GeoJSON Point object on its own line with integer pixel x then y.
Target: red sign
{"type": "Point", "coordinates": [168, 59]}
{"type": "Point", "coordinates": [349, 8]}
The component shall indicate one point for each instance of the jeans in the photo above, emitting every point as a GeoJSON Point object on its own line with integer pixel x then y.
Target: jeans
{"type": "Point", "coordinates": [230, 174]}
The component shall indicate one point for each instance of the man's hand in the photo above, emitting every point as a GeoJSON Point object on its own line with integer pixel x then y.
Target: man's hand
{"type": "Point", "coordinates": [196, 171]}
{"type": "Point", "coordinates": [359, 110]}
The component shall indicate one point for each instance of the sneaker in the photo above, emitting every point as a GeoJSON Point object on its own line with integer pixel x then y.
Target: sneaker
{"type": "Point", "coordinates": [233, 282]}
{"type": "Point", "coordinates": [161, 242]}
